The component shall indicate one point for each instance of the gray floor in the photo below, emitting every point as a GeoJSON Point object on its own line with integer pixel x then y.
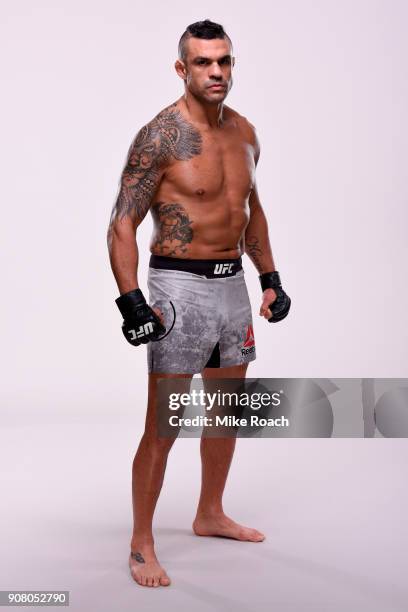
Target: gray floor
{"type": "Point", "coordinates": [334, 512]}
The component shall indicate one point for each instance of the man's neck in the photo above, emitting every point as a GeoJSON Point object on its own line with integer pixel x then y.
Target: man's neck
{"type": "Point", "coordinates": [210, 115]}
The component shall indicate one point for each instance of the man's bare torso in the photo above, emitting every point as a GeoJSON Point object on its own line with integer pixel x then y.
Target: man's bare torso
{"type": "Point", "coordinates": [200, 206]}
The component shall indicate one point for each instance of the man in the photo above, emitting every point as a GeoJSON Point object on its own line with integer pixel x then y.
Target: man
{"type": "Point", "coordinates": [193, 166]}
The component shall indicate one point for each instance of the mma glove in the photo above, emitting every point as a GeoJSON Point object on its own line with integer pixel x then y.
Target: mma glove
{"type": "Point", "coordinates": [280, 307]}
{"type": "Point", "coordinates": [140, 322]}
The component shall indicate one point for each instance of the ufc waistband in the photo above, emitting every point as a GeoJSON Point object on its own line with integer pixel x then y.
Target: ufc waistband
{"type": "Point", "coordinates": [210, 268]}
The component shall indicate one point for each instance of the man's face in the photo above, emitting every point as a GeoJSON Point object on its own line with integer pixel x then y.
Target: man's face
{"type": "Point", "coordinates": [208, 68]}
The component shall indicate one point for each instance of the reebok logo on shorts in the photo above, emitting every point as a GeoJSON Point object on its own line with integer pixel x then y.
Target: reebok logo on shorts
{"type": "Point", "coordinates": [249, 344]}
{"type": "Point", "coordinates": [225, 268]}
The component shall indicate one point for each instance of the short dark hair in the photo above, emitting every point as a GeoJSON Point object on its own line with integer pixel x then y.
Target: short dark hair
{"type": "Point", "coordinates": [206, 29]}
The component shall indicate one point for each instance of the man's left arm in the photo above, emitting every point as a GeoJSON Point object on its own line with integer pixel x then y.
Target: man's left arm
{"type": "Point", "coordinates": [257, 244]}
{"type": "Point", "coordinates": [258, 248]}
{"type": "Point", "coordinates": [275, 302]}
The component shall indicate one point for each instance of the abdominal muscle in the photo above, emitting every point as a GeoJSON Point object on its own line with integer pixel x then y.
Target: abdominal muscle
{"type": "Point", "coordinates": [198, 231]}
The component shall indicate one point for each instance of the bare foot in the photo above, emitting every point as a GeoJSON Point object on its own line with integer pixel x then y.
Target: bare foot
{"type": "Point", "coordinates": [222, 525]}
{"type": "Point", "coordinates": [145, 568]}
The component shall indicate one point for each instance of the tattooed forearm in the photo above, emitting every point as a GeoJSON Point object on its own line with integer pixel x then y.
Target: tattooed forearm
{"type": "Point", "coordinates": [254, 251]}
{"type": "Point", "coordinates": [168, 136]}
{"type": "Point", "coordinates": [173, 231]}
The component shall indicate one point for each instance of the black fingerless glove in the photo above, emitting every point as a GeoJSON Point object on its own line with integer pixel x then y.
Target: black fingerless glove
{"type": "Point", "coordinates": [280, 307]}
{"type": "Point", "coordinates": [140, 322]}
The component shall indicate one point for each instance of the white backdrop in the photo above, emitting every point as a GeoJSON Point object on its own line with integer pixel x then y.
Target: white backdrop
{"type": "Point", "coordinates": [324, 82]}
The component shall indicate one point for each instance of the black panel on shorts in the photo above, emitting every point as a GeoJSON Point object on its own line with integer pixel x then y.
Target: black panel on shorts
{"type": "Point", "coordinates": [214, 360]}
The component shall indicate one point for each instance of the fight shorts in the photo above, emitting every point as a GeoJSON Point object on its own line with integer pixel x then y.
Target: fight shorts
{"type": "Point", "coordinates": [211, 314]}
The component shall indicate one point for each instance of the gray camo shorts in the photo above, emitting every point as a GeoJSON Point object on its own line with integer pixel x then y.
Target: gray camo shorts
{"type": "Point", "coordinates": [212, 322]}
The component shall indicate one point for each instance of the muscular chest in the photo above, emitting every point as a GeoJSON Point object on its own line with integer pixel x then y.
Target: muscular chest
{"type": "Point", "coordinates": [224, 167]}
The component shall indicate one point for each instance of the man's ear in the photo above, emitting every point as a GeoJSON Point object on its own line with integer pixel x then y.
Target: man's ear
{"type": "Point", "coordinates": [180, 69]}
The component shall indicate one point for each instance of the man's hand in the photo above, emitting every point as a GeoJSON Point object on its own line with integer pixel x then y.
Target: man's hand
{"type": "Point", "coordinates": [159, 314]}
{"type": "Point", "coordinates": [141, 323]}
{"type": "Point", "coordinates": [276, 303]}
{"type": "Point", "coordinates": [269, 296]}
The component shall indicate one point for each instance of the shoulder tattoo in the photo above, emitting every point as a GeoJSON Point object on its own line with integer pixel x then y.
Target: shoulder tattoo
{"type": "Point", "coordinates": [168, 136]}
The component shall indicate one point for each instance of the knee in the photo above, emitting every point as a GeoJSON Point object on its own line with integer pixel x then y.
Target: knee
{"type": "Point", "coordinates": [157, 446]}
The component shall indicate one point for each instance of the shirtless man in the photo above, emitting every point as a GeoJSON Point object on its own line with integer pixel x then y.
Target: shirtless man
{"type": "Point", "coordinates": [193, 166]}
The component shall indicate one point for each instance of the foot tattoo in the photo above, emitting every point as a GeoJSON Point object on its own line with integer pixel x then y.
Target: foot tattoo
{"type": "Point", "coordinates": [137, 557]}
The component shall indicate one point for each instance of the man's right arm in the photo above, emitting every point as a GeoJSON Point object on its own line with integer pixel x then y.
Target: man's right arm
{"type": "Point", "coordinates": [139, 181]}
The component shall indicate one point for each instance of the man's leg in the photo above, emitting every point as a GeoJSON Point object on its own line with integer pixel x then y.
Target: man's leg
{"type": "Point", "coordinates": [148, 470]}
{"type": "Point", "coordinates": [216, 457]}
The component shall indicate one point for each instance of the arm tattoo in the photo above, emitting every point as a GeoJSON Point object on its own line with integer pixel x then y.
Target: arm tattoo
{"type": "Point", "coordinates": [168, 136]}
{"type": "Point", "coordinates": [254, 251]}
{"type": "Point", "coordinates": [174, 231]}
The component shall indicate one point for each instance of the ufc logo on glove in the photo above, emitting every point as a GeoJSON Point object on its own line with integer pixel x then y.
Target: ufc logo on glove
{"type": "Point", "coordinates": [143, 330]}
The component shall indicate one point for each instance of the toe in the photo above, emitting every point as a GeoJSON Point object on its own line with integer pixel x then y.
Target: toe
{"type": "Point", "coordinates": [135, 577]}
{"type": "Point", "coordinates": [258, 536]}
{"type": "Point", "coordinates": [164, 580]}
{"type": "Point", "coordinates": [156, 581]}
{"type": "Point", "coordinates": [143, 580]}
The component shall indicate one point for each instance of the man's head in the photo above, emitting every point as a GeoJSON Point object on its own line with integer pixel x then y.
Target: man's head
{"type": "Point", "coordinates": [205, 61]}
